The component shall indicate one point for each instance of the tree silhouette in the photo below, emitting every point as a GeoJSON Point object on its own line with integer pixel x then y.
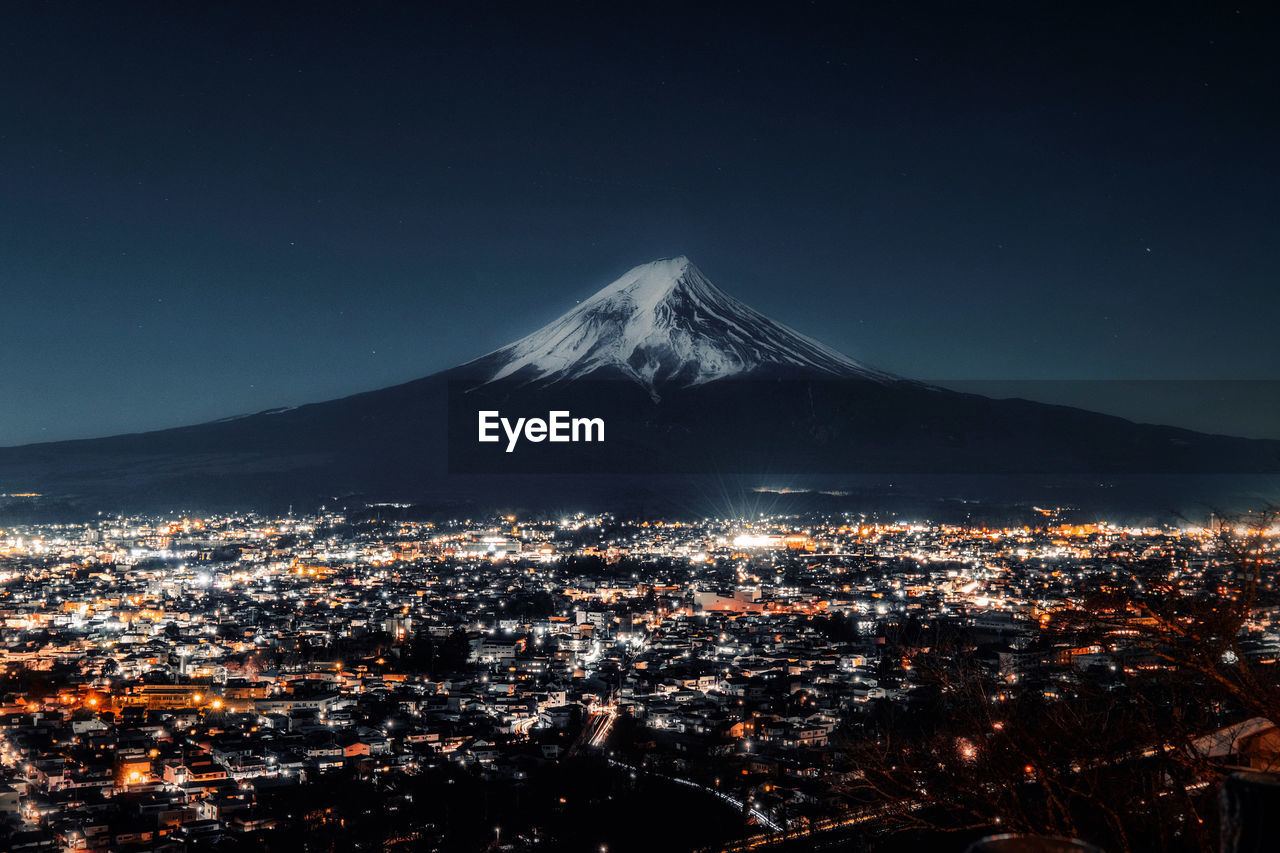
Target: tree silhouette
{"type": "Point", "coordinates": [1113, 753]}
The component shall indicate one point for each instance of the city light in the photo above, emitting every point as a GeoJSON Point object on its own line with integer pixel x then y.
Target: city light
{"type": "Point", "coordinates": [768, 651]}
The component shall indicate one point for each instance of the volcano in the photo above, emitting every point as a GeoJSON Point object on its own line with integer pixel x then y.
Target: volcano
{"type": "Point", "coordinates": [688, 380]}
{"type": "Point", "coordinates": [664, 323]}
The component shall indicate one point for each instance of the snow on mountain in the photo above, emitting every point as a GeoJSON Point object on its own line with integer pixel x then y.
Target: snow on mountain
{"type": "Point", "coordinates": [664, 322]}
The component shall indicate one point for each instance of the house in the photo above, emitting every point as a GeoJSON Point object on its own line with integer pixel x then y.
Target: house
{"type": "Point", "coordinates": [10, 806]}
{"type": "Point", "coordinates": [198, 768]}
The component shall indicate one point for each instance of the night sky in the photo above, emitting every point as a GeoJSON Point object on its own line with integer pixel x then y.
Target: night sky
{"type": "Point", "coordinates": [209, 209]}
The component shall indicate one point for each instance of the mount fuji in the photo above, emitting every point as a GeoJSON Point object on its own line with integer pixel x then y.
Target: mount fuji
{"type": "Point", "coordinates": [665, 323]}
{"type": "Point", "coordinates": [690, 382]}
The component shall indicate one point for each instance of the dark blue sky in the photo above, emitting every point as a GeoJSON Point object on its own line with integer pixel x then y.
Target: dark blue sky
{"type": "Point", "coordinates": [209, 209]}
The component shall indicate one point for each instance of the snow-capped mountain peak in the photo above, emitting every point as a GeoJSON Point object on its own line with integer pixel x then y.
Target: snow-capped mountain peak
{"type": "Point", "coordinates": [665, 322]}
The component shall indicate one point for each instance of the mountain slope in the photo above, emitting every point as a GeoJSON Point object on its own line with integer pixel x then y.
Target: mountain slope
{"type": "Point", "coordinates": [689, 381]}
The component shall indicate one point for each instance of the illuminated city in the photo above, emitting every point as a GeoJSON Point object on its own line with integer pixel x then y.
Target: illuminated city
{"type": "Point", "coordinates": [238, 677]}
{"type": "Point", "coordinates": [502, 427]}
